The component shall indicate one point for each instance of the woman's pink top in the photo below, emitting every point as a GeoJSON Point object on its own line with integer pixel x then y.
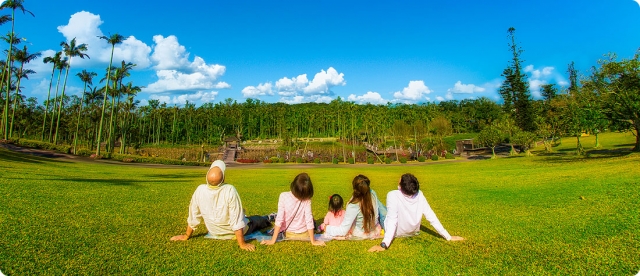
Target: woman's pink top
{"type": "Point", "coordinates": [290, 220]}
{"type": "Point", "coordinates": [334, 219]}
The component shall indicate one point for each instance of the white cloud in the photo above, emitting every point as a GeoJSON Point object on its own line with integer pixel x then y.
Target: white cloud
{"type": "Point", "coordinates": [289, 87]}
{"type": "Point", "coordinates": [539, 77]}
{"type": "Point", "coordinates": [85, 27]}
{"type": "Point", "coordinates": [176, 73]}
{"type": "Point", "coordinates": [199, 97]}
{"type": "Point", "coordinates": [460, 88]}
{"type": "Point", "coordinates": [369, 97]}
{"type": "Point", "coordinates": [43, 70]}
{"type": "Point", "coordinates": [299, 89]}
{"type": "Point", "coordinates": [324, 80]}
{"type": "Point", "coordinates": [440, 99]}
{"type": "Point", "coordinates": [262, 89]}
{"type": "Point", "coordinates": [306, 99]}
{"type": "Point", "coordinates": [415, 91]}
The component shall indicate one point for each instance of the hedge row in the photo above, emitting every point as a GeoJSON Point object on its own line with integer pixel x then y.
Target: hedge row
{"type": "Point", "coordinates": [42, 145]}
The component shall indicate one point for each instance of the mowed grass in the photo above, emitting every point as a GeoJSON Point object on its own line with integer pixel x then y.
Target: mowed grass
{"type": "Point", "coordinates": [547, 214]}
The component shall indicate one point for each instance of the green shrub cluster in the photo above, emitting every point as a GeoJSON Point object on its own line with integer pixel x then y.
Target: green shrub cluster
{"type": "Point", "coordinates": [370, 160]}
{"type": "Point", "coordinates": [84, 152]}
{"type": "Point", "coordinates": [42, 145]}
{"type": "Point", "coordinates": [351, 160]}
{"type": "Point", "coordinates": [434, 157]}
{"type": "Point", "coordinates": [153, 160]}
{"type": "Point", "coordinates": [449, 156]}
{"type": "Point", "coordinates": [387, 160]}
{"type": "Point", "coordinates": [403, 160]}
{"type": "Point", "coordinates": [317, 160]}
{"type": "Point", "coordinates": [334, 160]}
{"type": "Point", "coordinates": [422, 159]}
{"type": "Point", "coordinates": [275, 159]}
{"type": "Point", "coordinates": [299, 160]}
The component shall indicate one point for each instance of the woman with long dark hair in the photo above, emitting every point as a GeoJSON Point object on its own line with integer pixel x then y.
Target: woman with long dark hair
{"type": "Point", "coordinates": [361, 216]}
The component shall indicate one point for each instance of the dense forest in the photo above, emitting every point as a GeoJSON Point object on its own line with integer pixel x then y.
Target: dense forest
{"type": "Point", "coordinates": [107, 113]}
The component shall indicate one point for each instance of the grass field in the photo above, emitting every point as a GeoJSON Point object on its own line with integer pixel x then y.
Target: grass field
{"type": "Point", "coordinates": [547, 214]}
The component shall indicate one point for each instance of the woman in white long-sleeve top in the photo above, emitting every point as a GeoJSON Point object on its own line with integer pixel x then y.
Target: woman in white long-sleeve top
{"type": "Point", "coordinates": [405, 208]}
{"type": "Point", "coordinates": [361, 215]}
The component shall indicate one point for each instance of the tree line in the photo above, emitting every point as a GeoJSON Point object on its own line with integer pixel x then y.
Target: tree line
{"type": "Point", "coordinates": [107, 116]}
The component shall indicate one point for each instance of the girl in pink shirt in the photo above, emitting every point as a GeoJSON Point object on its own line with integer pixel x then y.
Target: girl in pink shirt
{"type": "Point", "coordinates": [336, 213]}
{"type": "Point", "coordinates": [294, 216]}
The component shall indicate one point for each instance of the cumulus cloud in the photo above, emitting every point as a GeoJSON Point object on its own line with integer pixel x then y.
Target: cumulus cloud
{"type": "Point", "coordinates": [176, 73]}
{"type": "Point", "coordinates": [256, 91]}
{"type": "Point", "coordinates": [299, 89]}
{"type": "Point", "coordinates": [85, 27]}
{"type": "Point", "coordinates": [369, 97]}
{"type": "Point", "coordinates": [459, 88]}
{"type": "Point", "coordinates": [199, 97]}
{"type": "Point", "coordinates": [324, 80]}
{"type": "Point", "coordinates": [415, 91]}
{"type": "Point", "coordinates": [540, 77]}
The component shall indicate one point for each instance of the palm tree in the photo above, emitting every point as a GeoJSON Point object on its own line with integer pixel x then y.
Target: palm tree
{"type": "Point", "coordinates": [62, 64]}
{"type": "Point", "coordinates": [22, 56]}
{"type": "Point", "coordinates": [117, 77]}
{"type": "Point", "coordinates": [87, 78]}
{"type": "Point", "coordinates": [130, 91]}
{"type": "Point", "coordinates": [55, 59]}
{"type": "Point", "coordinates": [70, 50]}
{"type": "Point", "coordinates": [113, 40]}
{"type": "Point", "coordinates": [17, 98]}
{"type": "Point", "coordinates": [13, 5]}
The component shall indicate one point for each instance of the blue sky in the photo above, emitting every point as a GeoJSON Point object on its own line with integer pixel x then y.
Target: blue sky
{"type": "Point", "coordinates": [315, 51]}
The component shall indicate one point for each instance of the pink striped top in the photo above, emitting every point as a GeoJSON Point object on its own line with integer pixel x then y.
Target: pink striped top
{"type": "Point", "coordinates": [287, 205]}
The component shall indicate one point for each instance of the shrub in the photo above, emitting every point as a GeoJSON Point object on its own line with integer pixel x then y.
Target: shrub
{"type": "Point", "coordinates": [422, 159]}
{"type": "Point", "coordinates": [403, 160]}
{"type": "Point", "coordinates": [246, 160]}
{"type": "Point", "coordinates": [317, 160]}
{"type": "Point", "coordinates": [299, 160]}
{"type": "Point", "coordinates": [448, 156]}
{"type": "Point", "coordinates": [351, 160]}
{"type": "Point", "coordinates": [154, 160]}
{"type": "Point", "coordinates": [370, 160]}
{"type": "Point", "coordinates": [434, 157]}
{"type": "Point", "coordinates": [334, 160]}
{"type": "Point", "coordinates": [274, 159]}
{"type": "Point", "coordinates": [84, 152]}
{"type": "Point", "coordinates": [281, 160]}
{"type": "Point", "coordinates": [267, 161]}
{"type": "Point", "coordinates": [387, 160]}
{"type": "Point", "coordinates": [42, 145]}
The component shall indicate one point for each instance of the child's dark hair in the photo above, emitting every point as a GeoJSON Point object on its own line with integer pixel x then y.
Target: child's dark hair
{"type": "Point", "coordinates": [335, 203]}
{"type": "Point", "coordinates": [301, 187]}
{"type": "Point", "coordinates": [409, 184]}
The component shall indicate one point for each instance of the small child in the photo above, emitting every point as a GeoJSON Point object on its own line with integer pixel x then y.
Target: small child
{"type": "Point", "coordinates": [336, 213]}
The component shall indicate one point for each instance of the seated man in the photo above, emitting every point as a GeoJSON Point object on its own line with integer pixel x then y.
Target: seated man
{"type": "Point", "coordinates": [405, 208]}
{"type": "Point", "coordinates": [219, 205]}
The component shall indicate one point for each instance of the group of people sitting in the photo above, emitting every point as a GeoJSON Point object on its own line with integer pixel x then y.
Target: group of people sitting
{"type": "Point", "coordinates": [365, 217]}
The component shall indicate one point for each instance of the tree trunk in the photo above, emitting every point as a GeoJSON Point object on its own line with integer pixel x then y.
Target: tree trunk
{"type": "Point", "coordinates": [46, 109]}
{"type": "Point", "coordinates": [636, 148]}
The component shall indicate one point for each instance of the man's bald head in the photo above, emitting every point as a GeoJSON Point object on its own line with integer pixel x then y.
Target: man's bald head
{"type": "Point", "coordinates": [214, 176]}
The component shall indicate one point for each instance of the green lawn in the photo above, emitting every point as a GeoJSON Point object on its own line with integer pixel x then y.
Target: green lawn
{"type": "Point", "coordinates": [547, 214]}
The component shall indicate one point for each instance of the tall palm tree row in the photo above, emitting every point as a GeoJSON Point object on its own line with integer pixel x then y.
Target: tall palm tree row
{"type": "Point", "coordinates": [70, 50]}
{"type": "Point", "coordinates": [87, 78]}
{"type": "Point", "coordinates": [23, 57]}
{"type": "Point", "coordinates": [113, 40]}
{"type": "Point", "coordinates": [13, 5]}
{"type": "Point", "coordinates": [55, 60]}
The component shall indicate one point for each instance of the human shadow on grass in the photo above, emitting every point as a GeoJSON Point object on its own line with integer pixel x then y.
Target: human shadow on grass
{"type": "Point", "coordinates": [429, 231]}
{"type": "Point", "coordinates": [112, 181]}
{"type": "Point", "coordinates": [556, 157]}
{"type": "Point", "coordinates": [26, 158]}
{"type": "Point", "coordinates": [185, 176]}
